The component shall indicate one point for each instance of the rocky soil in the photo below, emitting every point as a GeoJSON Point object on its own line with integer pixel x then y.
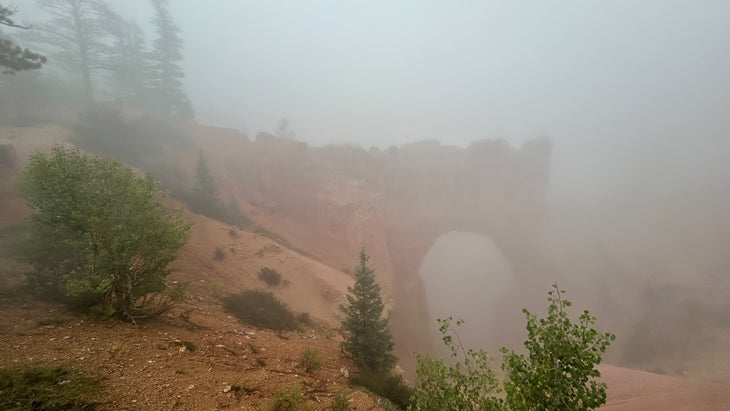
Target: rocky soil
{"type": "Point", "coordinates": [194, 358]}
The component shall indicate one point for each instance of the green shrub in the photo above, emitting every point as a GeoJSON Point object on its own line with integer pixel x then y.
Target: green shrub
{"type": "Point", "coordinates": [303, 318]}
{"type": "Point", "coordinates": [254, 349]}
{"type": "Point", "coordinates": [340, 402]}
{"type": "Point", "coordinates": [270, 276]}
{"type": "Point", "coordinates": [385, 384]}
{"type": "Point", "coordinates": [560, 371]}
{"type": "Point", "coordinates": [215, 290]}
{"type": "Point", "coordinates": [260, 309]}
{"type": "Point", "coordinates": [311, 360]}
{"type": "Point", "coordinates": [468, 384]}
{"type": "Point", "coordinates": [98, 235]}
{"type": "Point", "coordinates": [287, 399]}
{"type": "Point", "coordinates": [46, 388]}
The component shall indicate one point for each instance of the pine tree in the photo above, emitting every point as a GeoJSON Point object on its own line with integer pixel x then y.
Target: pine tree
{"type": "Point", "coordinates": [205, 192]}
{"type": "Point", "coordinates": [13, 57]}
{"type": "Point", "coordinates": [75, 36]}
{"type": "Point", "coordinates": [283, 130]}
{"type": "Point", "coordinates": [367, 335]}
{"type": "Point", "coordinates": [166, 57]}
{"type": "Point", "coordinates": [127, 62]}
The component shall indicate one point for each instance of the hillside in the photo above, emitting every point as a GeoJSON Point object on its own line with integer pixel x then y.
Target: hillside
{"type": "Point", "coordinates": [145, 366]}
{"type": "Point", "coordinates": [309, 218]}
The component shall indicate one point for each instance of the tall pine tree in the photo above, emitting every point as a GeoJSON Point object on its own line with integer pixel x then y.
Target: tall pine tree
{"type": "Point", "coordinates": [127, 64]}
{"type": "Point", "coordinates": [367, 333]}
{"type": "Point", "coordinates": [75, 36]}
{"type": "Point", "coordinates": [205, 192]}
{"type": "Point", "coordinates": [166, 56]}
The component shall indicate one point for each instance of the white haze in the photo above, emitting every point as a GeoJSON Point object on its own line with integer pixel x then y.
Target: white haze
{"type": "Point", "coordinates": [603, 79]}
{"type": "Point", "coordinates": [635, 96]}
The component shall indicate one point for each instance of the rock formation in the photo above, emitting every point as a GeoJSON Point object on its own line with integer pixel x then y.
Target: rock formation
{"type": "Point", "coordinates": [331, 201]}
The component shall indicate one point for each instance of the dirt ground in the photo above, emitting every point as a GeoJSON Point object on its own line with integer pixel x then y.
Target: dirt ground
{"type": "Point", "coordinates": [641, 390]}
{"type": "Point", "coordinates": [194, 358]}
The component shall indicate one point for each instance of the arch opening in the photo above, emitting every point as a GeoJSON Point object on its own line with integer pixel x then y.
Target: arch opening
{"type": "Point", "coordinates": [465, 275]}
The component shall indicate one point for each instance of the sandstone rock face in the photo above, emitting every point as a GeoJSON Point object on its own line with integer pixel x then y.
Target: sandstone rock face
{"type": "Point", "coordinates": [331, 201]}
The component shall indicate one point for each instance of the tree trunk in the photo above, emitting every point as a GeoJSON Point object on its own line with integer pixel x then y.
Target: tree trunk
{"type": "Point", "coordinates": [83, 54]}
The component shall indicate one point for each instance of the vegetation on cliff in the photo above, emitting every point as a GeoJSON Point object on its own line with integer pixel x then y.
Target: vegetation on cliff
{"type": "Point", "coordinates": [98, 237]}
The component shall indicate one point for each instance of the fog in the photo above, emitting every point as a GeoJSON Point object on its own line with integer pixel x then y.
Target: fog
{"type": "Point", "coordinates": [634, 96]}
{"type": "Point", "coordinates": [606, 81]}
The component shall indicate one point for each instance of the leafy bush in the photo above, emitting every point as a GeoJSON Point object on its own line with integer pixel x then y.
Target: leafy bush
{"type": "Point", "coordinates": [270, 276]}
{"type": "Point", "coordinates": [468, 384]}
{"type": "Point", "coordinates": [303, 318]}
{"type": "Point", "coordinates": [98, 237]}
{"type": "Point", "coordinates": [287, 399]}
{"type": "Point", "coordinates": [559, 372]}
{"type": "Point", "coordinates": [260, 309]}
{"type": "Point", "coordinates": [46, 388]}
{"type": "Point", "coordinates": [385, 384]}
{"type": "Point", "coordinates": [311, 360]}
{"type": "Point", "coordinates": [340, 402]}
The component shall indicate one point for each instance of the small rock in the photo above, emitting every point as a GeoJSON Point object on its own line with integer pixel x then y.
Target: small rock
{"type": "Point", "coordinates": [227, 388]}
{"type": "Point", "coordinates": [190, 387]}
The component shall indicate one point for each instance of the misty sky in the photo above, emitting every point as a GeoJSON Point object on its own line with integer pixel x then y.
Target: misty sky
{"type": "Point", "coordinates": [379, 72]}
{"type": "Point", "coordinates": [596, 76]}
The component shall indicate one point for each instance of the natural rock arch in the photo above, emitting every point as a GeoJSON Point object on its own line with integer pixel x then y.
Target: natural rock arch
{"type": "Point", "coordinates": [330, 201]}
